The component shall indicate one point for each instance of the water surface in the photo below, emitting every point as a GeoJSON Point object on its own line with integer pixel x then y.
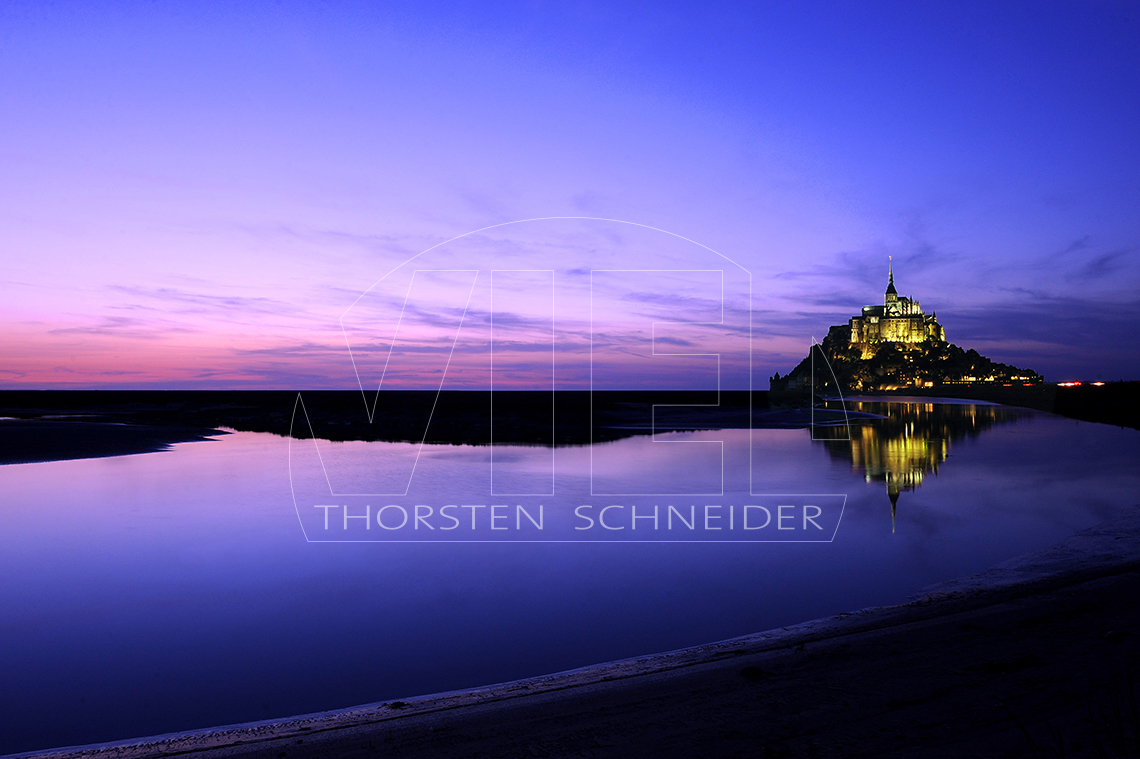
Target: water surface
{"type": "Point", "coordinates": [173, 590]}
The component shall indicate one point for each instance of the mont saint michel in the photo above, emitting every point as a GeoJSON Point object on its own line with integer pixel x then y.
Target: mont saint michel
{"type": "Point", "coordinates": [893, 346]}
{"type": "Point", "coordinates": [898, 320]}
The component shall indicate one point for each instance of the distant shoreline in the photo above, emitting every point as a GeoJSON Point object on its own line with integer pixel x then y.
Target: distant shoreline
{"type": "Point", "coordinates": [139, 421]}
{"type": "Point", "coordinates": [1115, 403]}
{"type": "Point", "coordinates": [51, 425]}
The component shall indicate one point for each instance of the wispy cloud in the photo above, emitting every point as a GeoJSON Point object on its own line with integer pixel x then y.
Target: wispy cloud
{"type": "Point", "coordinates": [1106, 264]}
{"type": "Point", "coordinates": [125, 327]}
{"type": "Point", "coordinates": [188, 302]}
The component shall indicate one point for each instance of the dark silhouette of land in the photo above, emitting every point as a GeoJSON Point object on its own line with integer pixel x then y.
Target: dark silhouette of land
{"type": "Point", "coordinates": [51, 424]}
{"type": "Point", "coordinates": [23, 441]}
{"type": "Point", "coordinates": [1115, 403]}
{"type": "Point", "coordinates": [45, 425]}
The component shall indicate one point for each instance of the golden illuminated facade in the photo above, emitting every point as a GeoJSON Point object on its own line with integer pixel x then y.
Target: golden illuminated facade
{"type": "Point", "coordinates": [898, 320]}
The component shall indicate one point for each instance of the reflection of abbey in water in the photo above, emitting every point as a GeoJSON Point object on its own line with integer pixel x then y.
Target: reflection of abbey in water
{"type": "Point", "coordinates": [910, 441]}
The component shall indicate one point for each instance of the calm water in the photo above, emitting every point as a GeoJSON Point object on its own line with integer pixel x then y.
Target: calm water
{"type": "Point", "coordinates": [167, 591]}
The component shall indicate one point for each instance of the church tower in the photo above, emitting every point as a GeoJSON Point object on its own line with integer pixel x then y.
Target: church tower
{"type": "Point", "coordinates": [891, 299]}
{"type": "Point", "coordinates": [899, 320]}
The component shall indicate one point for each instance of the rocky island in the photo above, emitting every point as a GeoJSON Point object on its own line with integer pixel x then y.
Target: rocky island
{"type": "Point", "coordinates": [896, 346]}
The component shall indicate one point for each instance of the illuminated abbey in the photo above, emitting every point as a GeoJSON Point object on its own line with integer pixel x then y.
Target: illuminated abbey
{"type": "Point", "coordinates": [898, 320]}
{"type": "Point", "coordinates": [893, 346]}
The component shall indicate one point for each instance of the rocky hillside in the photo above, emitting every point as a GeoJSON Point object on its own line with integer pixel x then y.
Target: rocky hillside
{"type": "Point", "coordinates": [892, 366]}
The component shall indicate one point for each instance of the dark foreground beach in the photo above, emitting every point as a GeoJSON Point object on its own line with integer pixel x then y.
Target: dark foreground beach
{"type": "Point", "coordinates": [1039, 656]}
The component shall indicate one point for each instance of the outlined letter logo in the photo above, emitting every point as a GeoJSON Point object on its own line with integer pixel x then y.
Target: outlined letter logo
{"type": "Point", "coordinates": [549, 380]}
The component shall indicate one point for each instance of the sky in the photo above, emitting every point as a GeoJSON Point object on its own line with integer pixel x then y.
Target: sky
{"type": "Point", "coordinates": [198, 195]}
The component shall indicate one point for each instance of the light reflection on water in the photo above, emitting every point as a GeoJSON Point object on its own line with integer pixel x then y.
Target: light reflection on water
{"type": "Point", "coordinates": [909, 440]}
{"type": "Point", "coordinates": [174, 590]}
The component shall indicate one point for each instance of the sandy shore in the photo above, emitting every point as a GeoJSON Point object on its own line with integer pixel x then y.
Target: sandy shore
{"type": "Point", "coordinates": [1037, 656]}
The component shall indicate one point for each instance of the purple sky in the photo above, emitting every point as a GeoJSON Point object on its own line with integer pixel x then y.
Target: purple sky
{"type": "Point", "coordinates": [193, 195]}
